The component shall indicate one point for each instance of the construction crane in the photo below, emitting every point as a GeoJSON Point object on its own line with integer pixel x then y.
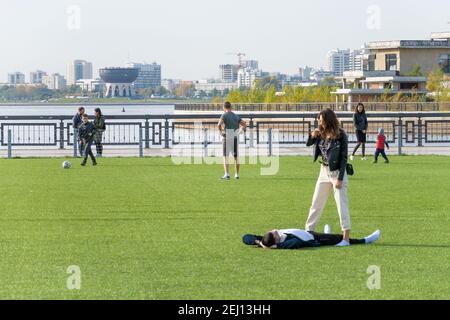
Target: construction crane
{"type": "Point", "coordinates": [240, 55]}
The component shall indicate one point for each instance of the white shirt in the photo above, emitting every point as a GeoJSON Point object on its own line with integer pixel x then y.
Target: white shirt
{"type": "Point", "coordinates": [301, 234]}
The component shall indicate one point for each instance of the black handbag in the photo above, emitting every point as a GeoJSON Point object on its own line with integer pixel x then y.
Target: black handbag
{"type": "Point", "coordinates": [350, 170]}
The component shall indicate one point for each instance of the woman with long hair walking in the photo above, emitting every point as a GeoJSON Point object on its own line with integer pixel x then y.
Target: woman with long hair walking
{"type": "Point", "coordinates": [361, 125]}
{"type": "Point", "coordinates": [331, 144]}
{"type": "Point", "coordinates": [100, 128]}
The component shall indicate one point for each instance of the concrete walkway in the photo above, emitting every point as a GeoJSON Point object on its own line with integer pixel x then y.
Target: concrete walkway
{"type": "Point", "coordinates": [159, 152]}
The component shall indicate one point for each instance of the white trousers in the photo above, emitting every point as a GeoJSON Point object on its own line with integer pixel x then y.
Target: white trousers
{"type": "Point", "coordinates": [326, 184]}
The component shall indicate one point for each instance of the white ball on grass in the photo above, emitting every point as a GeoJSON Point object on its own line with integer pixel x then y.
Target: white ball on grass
{"type": "Point", "coordinates": [66, 165]}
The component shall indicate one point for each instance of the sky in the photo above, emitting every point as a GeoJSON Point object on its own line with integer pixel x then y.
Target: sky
{"type": "Point", "coordinates": [190, 38]}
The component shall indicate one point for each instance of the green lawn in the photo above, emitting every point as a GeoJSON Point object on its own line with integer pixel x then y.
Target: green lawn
{"type": "Point", "coordinates": [148, 229]}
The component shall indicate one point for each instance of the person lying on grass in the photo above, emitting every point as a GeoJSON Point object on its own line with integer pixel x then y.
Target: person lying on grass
{"type": "Point", "coordinates": [298, 239]}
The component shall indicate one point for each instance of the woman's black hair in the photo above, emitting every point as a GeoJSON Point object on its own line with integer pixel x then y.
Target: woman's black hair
{"type": "Point", "coordinates": [362, 105]}
{"type": "Point", "coordinates": [99, 111]}
{"type": "Point", "coordinates": [268, 239]}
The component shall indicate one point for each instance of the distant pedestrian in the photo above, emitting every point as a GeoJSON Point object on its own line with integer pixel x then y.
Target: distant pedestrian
{"type": "Point", "coordinates": [361, 125]}
{"type": "Point", "coordinates": [77, 121]}
{"type": "Point", "coordinates": [87, 131]}
{"type": "Point", "coordinates": [100, 127]}
{"type": "Point", "coordinates": [381, 142]}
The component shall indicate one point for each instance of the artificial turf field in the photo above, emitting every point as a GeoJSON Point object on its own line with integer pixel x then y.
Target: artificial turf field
{"type": "Point", "coordinates": [149, 229]}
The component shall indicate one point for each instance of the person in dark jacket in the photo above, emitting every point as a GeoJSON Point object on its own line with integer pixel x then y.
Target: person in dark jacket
{"type": "Point", "coordinates": [292, 239]}
{"type": "Point", "coordinates": [361, 125]}
{"type": "Point", "coordinates": [100, 127]}
{"type": "Point", "coordinates": [331, 144]}
{"type": "Point", "coordinates": [87, 131]}
{"type": "Point", "coordinates": [77, 121]}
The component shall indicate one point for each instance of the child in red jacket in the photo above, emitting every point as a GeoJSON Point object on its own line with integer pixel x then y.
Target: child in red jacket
{"type": "Point", "coordinates": [381, 142]}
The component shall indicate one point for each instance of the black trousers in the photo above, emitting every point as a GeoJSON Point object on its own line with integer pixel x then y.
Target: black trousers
{"type": "Point", "coordinates": [333, 239]}
{"type": "Point", "coordinates": [383, 154]}
{"type": "Point", "coordinates": [81, 146]}
{"type": "Point", "coordinates": [88, 151]}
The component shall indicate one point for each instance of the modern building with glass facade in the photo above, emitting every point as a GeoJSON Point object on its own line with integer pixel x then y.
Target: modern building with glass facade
{"type": "Point", "coordinates": [16, 78]}
{"type": "Point", "coordinates": [229, 72]}
{"type": "Point", "coordinates": [149, 75]}
{"type": "Point", "coordinates": [36, 76]}
{"type": "Point", "coordinates": [78, 69]}
{"type": "Point", "coordinates": [54, 81]}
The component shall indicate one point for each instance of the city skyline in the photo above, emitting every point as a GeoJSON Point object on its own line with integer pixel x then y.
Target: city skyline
{"type": "Point", "coordinates": [183, 41]}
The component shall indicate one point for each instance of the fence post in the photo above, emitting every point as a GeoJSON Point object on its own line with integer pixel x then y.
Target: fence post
{"type": "Point", "coordinates": [205, 142]}
{"type": "Point", "coordinates": [75, 142]}
{"type": "Point", "coordinates": [269, 135]}
{"type": "Point", "coordinates": [166, 134]}
{"type": "Point", "coordinates": [9, 143]}
{"type": "Point", "coordinates": [400, 136]}
{"type": "Point", "coordinates": [419, 129]}
{"type": "Point", "coordinates": [141, 144]}
{"type": "Point", "coordinates": [61, 134]}
{"type": "Point", "coordinates": [147, 134]}
{"type": "Point", "coordinates": [251, 125]}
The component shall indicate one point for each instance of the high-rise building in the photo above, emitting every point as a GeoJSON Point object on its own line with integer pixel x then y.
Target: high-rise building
{"type": "Point", "coordinates": [54, 81]}
{"type": "Point", "coordinates": [305, 73]}
{"type": "Point", "coordinates": [229, 72]}
{"type": "Point", "coordinates": [357, 59]}
{"type": "Point", "coordinates": [338, 62]}
{"type": "Point", "coordinates": [78, 69]}
{"type": "Point", "coordinates": [247, 77]}
{"type": "Point", "coordinates": [36, 76]}
{"type": "Point", "coordinates": [251, 64]}
{"type": "Point", "coordinates": [149, 75]}
{"type": "Point", "coordinates": [16, 78]}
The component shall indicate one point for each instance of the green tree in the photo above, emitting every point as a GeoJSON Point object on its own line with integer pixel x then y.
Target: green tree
{"type": "Point", "coordinates": [435, 82]}
{"type": "Point", "coordinates": [415, 71]}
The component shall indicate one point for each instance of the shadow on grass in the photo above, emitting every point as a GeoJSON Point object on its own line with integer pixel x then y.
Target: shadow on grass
{"type": "Point", "coordinates": [137, 165]}
{"type": "Point", "coordinates": [401, 245]}
{"type": "Point", "coordinates": [326, 248]}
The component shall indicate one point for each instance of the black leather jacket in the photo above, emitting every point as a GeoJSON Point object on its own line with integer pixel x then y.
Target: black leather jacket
{"type": "Point", "coordinates": [360, 121]}
{"type": "Point", "coordinates": [337, 154]}
{"type": "Point", "coordinates": [86, 131]}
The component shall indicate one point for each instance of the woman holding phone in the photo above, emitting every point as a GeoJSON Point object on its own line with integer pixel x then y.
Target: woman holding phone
{"type": "Point", "coordinates": [331, 144]}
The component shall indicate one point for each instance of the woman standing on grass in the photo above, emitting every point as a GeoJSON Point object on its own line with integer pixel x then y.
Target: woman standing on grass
{"type": "Point", "coordinates": [100, 127]}
{"type": "Point", "coordinates": [331, 143]}
{"type": "Point", "coordinates": [361, 124]}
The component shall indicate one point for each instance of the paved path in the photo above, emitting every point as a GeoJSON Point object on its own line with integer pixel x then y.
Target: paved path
{"type": "Point", "coordinates": [157, 152]}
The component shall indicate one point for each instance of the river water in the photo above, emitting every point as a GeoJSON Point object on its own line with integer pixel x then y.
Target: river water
{"type": "Point", "coordinates": [66, 110]}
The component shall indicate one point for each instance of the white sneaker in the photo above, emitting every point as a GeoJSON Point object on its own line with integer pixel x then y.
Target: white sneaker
{"type": "Point", "coordinates": [236, 176]}
{"type": "Point", "coordinates": [352, 158]}
{"type": "Point", "coordinates": [343, 243]}
{"type": "Point", "coordinates": [364, 159]}
{"type": "Point", "coordinates": [225, 177]}
{"type": "Point", "coordinates": [327, 229]}
{"type": "Point", "coordinates": [373, 237]}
